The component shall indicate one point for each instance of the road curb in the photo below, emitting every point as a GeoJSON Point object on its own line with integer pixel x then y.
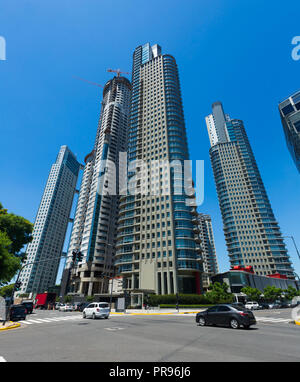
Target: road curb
{"type": "Point", "coordinates": [12, 326]}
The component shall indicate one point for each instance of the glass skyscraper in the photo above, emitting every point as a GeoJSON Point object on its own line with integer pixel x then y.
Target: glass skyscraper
{"type": "Point", "coordinates": [157, 249]}
{"type": "Point", "coordinates": [210, 261]}
{"type": "Point", "coordinates": [290, 118]}
{"type": "Point", "coordinates": [95, 223]}
{"type": "Point", "coordinates": [51, 224]}
{"type": "Point", "coordinates": [251, 231]}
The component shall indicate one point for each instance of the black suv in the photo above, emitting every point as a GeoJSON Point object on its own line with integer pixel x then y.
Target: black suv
{"type": "Point", "coordinates": [28, 306]}
{"type": "Point", "coordinates": [17, 312]}
{"type": "Point", "coordinates": [233, 316]}
{"type": "Point", "coordinates": [82, 305]}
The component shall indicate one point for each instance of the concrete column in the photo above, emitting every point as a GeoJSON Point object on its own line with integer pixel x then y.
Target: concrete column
{"type": "Point", "coordinates": [90, 290]}
{"type": "Point", "coordinates": [80, 287]}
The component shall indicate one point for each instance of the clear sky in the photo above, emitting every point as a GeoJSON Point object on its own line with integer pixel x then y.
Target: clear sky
{"type": "Point", "coordinates": [237, 52]}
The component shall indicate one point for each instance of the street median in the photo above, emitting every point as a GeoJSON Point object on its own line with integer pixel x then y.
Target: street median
{"type": "Point", "coordinates": [9, 325]}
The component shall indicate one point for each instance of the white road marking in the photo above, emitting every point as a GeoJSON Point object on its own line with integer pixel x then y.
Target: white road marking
{"type": "Point", "coordinates": [112, 329]}
{"type": "Point", "coordinates": [51, 319]}
{"type": "Point", "coordinates": [270, 319]}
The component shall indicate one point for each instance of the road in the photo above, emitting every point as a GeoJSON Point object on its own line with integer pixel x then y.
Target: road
{"type": "Point", "coordinates": [65, 336]}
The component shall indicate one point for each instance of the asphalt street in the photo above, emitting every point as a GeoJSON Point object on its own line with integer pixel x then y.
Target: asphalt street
{"type": "Point", "coordinates": [66, 336]}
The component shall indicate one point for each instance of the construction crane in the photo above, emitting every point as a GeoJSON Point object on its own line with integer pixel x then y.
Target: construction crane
{"type": "Point", "coordinates": [90, 82]}
{"type": "Point", "coordinates": [118, 71]}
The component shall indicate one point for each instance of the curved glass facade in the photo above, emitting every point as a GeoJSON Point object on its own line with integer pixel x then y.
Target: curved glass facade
{"type": "Point", "coordinates": [251, 231]}
{"type": "Point", "coordinates": [165, 256]}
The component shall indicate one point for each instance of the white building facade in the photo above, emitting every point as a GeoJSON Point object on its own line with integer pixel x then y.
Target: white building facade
{"type": "Point", "coordinates": [51, 225]}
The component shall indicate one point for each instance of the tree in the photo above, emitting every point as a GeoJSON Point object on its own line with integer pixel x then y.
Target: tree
{"type": "Point", "coordinates": [89, 298]}
{"type": "Point", "coordinates": [67, 299]}
{"type": "Point", "coordinates": [290, 292]}
{"type": "Point", "coordinates": [6, 291]}
{"type": "Point", "coordinates": [9, 264]}
{"type": "Point", "coordinates": [218, 294]}
{"type": "Point", "coordinates": [253, 294]}
{"type": "Point", "coordinates": [15, 232]}
{"type": "Point", "coordinates": [271, 293]}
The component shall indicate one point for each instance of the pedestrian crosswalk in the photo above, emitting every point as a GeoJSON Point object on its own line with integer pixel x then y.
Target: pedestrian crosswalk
{"type": "Point", "coordinates": [51, 319]}
{"type": "Point", "coordinates": [273, 320]}
{"type": "Point", "coordinates": [73, 317]}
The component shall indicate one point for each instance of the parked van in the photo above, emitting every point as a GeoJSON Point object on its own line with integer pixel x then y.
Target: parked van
{"type": "Point", "coordinates": [252, 305]}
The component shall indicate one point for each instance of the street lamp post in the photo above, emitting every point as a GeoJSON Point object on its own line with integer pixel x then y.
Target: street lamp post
{"type": "Point", "coordinates": [291, 237]}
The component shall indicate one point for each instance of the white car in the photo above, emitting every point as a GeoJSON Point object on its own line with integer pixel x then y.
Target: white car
{"type": "Point", "coordinates": [252, 305]}
{"type": "Point", "coordinates": [66, 308]}
{"type": "Point", "coordinates": [96, 310]}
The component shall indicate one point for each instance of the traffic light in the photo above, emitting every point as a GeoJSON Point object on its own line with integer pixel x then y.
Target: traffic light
{"type": "Point", "coordinates": [79, 256]}
{"type": "Point", "coordinates": [74, 254]}
{"type": "Point", "coordinates": [18, 285]}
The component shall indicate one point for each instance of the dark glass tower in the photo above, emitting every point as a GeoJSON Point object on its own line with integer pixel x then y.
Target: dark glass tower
{"type": "Point", "coordinates": [252, 233]}
{"type": "Point", "coordinates": [290, 118]}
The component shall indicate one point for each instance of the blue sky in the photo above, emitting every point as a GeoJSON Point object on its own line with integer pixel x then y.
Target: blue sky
{"type": "Point", "coordinates": [237, 52]}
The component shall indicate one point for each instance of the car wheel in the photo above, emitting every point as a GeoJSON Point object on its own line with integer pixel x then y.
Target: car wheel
{"type": "Point", "coordinates": [202, 321]}
{"type": "Point", "coordinates": [234, 323]}
{"type": "Point", "coordinates": [94, 316]}
{"type": "Point", "coordinates": [84, 315]}
{"type": "Point", "coordinates": [106, 317]}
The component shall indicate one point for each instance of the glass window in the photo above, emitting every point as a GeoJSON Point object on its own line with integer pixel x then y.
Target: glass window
{"type": "Point", "coordinates": [287, 109]}
{"type": "Point", "coordinates": [223, 309]}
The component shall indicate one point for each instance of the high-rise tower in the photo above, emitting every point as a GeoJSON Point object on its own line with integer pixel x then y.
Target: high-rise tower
{"type": "Point", "coordinates": [252, 234]}
{"type": "Point", "coordinates": [290, 118]}
{"type": "Point", "coordinates": [94, 228]}
{"type": "Point", "coordinates": [51, 224]}
{"type": "Point", "coordinates": [156, 248]}
{"type": "Point", "coordinates": [210, 261]}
